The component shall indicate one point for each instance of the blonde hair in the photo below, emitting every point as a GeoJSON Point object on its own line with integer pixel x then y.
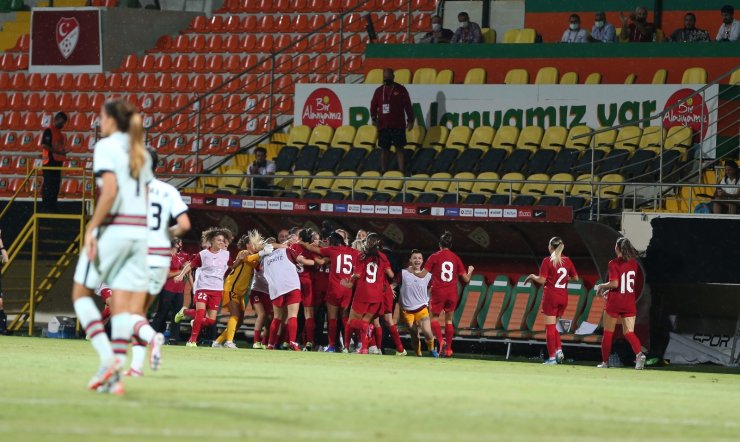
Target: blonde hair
{"type": "Point", "coordinates": [256, 240]}
{"type": "Point", "coordinates": [129, 120]}
{"type": "Point", "coordinates": [556, 257]}
{"type": "Point", "coordinates": [359, 245]}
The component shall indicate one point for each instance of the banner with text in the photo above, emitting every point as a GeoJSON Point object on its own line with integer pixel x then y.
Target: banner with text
{"type": "Point", "coordinates": [521, 105]}
{"type": "Point", "coordinates": [66, 40]}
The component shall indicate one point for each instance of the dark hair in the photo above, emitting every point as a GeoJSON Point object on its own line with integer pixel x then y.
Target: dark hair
{"type": "Point", "coordinates": [445, 241]}
{"type": "Point", "coordinates": [175, 241]}
{"type": "Point", "coordinates": [690, 14]}
{"type": "Point", "coordinates": [626, 249]}
{"type": "Point", "coordinates": [260, 149]}
{"type": "Point", "coordinates": [213, 232]}
{"type": "Point", "coordinates": [731, 164]}
{"type": "Point", "coordinates": [336, 239]}
{"type": "Point", "coordinates": [575, 16]}
{"type": "Point", "coordinates": [129, 120]}
{"type": "Point", "coordinates": [463, 13]}
{"type": "Point", "coordinates": [155, 158]}
{"type": "Point", "coordinates": [414, 252]}
{"type": "Point", "coordinates": [326, 229]}
{"type": "Point", "coordinates": [243, 241]}
{"type": "Point", "coordinates": [727, 9]}
{"type": "Point", "coordinates": [61, 115]}
{"type": "Point", "coordinates": [372, 244]}
{"type": "Point", "coordinates": [306, 235]}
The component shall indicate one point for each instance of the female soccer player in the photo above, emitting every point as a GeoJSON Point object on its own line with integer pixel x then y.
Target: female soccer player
{"type": "Point", "coordinates": [280, 269]}
{"type": "Point", "coordinates": [342, 263]}
{"type": "Point", "coordinates": [251, 248]}
{"type": "Point", "coordinates": [621, 293]}
{"type": "Point", "coordinates": [260, 298]}
{"type": "Point", "coordinates": [555, 272]}
{"type": "Point", "coordinates": [115, 245]}
{"type": "Point", "coordinates": [211, 265]}
{"type": "Point", "coordinates": [445, 267]}
{"type": "Point", "coordinates": [415, 302]}
{"type": "Point", "coordinates": [370, 275]}
{"type": "Point", "coordinates": [305, 274]}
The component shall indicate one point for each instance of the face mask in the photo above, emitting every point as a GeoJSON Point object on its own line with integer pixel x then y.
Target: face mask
{"type": "Point", "coordinates": [464, 24]}
{"type": "Point", "coordinates": [436, 27]}
{"type": "Point", "coordinates": [599, 24]}
{"type": "Point", "coordinates": [573, 27]}
{"type": "Point", "coordinates": [387, 81]}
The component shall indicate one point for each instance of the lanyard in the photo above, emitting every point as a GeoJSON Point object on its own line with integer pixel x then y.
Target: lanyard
{"type": "Point", "coordinates": [393, 86]}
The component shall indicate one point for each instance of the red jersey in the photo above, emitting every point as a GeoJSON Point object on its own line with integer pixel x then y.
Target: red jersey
{"type": "Point", "coordinates": [342, 264]}
{"type": "Point", "coordinates": [445, 267]}
{"type": "Point", "coordinates": [556, 276]}
{"type": "Point", "coordinates": [176, 264]}
{"type": "Point", "coordinates": [628, 277]}
{"type": "Point", "coordinates": [304, 272]}
{"type": "Point", "coordinates": [372, 284]}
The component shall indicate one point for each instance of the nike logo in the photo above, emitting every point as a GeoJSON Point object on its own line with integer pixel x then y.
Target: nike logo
{"type": "Point", "coordinates": [313, 206]}
{"type": "Point", "coordinates": [423, 211]}
{"type": "Point", "coordinates": [210, 200]}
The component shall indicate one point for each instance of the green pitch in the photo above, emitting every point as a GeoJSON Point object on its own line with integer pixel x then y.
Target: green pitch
{"type": "Point", "coordinates": [209, 394]}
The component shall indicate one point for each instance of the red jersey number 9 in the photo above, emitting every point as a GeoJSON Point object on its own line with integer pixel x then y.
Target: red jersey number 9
{"type": "Point", "coordinates": [372, 273]}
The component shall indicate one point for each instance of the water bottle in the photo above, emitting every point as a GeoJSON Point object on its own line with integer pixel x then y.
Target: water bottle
{"type": "Point", "coordinates": [167, 332]}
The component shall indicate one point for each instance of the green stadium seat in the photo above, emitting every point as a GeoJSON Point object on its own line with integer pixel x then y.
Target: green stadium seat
{"type": "Point", "coordinates": [514, 318]}
{"type": "Point", "coordinates": [471, 301]}
{"type": "Point", "coordinates": [494, 305]}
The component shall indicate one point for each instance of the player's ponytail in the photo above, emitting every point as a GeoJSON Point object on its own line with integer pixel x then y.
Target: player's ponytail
{"type": "Point", "coordinates": [335, 239]}
{"type": "Point", "coordinates": [445, 241]}
{"type": "Point", "coordinates": [626, 249]}
{"type": "Point", "coordinates": [372, 244]}
{"type": "Point", "coordinates": [556, 256]}
{"type": "Point", "coordinates": [255, 240]}
{"type": "Point", "coordinates": [306, 235]}
{"type": "Point", "coordinates": [129, 121]}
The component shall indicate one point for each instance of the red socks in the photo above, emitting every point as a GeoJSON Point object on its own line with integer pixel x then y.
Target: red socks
{"type": "Point", "coordinates": [106, 313]}
{"type": "Point", "coordinates": [364, 327]}
{"type": "Point", "coordinates": [190, 313]}
{"type": "Point", "coordinates": [393, 329]}
{"type": "Point", "coordinates": [274, 328]}
{"type": "Point", "coordinates": [292, 329]}
{"type": "Point", "coordinates": [378, 337]}
{"type": "Point", "coordinates": [551, 337]}
{"type": "Point", "coordinates": [332, 332]}
{"type": "Point", "coordinates": [347, 332]}
{"type": "Point", "coordinates": [200, 316]}
{"type": "Point", "coordinates": [309, 329]}
{"type": "Point", "coordinates": [634, 342]}
{"type": "Point", "coordinates": [449, 334]}
{"type": "Point", "coordinates": [208, 322]}
{"type": "Point", "coordinates": [437, 331]}
{"type": "Point", "coordinates": [606, 345]}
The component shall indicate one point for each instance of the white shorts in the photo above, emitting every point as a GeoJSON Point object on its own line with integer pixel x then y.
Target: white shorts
{"type": "Point", "coordinates": [119, 262]}
{"type": "Point", "coordinates": [157, 278]}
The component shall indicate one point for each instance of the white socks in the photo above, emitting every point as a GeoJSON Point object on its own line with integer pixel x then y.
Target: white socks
{"type": "Point", "coordinates": [142, 329]}
{"type": "Point", "coordinates": [89, 316]}
{"type": "Point", "coordinates": [121, 329]}
{"type": "Point", "coordinates": [138, 354]}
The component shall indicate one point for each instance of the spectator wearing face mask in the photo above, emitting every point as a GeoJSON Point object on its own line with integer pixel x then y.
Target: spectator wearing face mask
{"type": "Point", "coordinates": [574, 33]}
{"type": "Point", "coordinates": [468, 32]}
{"type": "Point", "coordinates": [438, 33]}
{"type": "Point", "coordinates": [638, 30]}
{"type": "Point", "coordinates": [603, 31]}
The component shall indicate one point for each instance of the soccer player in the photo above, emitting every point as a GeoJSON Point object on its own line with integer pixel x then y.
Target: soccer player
{"type": "Point", "coordinates": [555, 271]}
{"type": "Point", "coordinates": [252, 248]}
{"type": "Point", "coordinates": [259, 296]}
{"type": "Point", "coordinates": [342, 262]}
{"type": "Point", "coordinates": [165, 206]}
{"type": "Point", "coordinates": [415, 303]}
{"type": "Point", "coordinates": [445, 267]}
{"type": "Point", "coordinates": [621, 293]}
{"type": "Point", "coordinates": [305, 274]}
{"type": "Point", "coordinates": [105, 293]}
{"type": "Point", "coordinates": [115, 244]}
{"type": "Point", "coordinates": [280, 270]}
{"type": "Point", "coordinates": [370, 275]}
{"type": "Point", "coordinates": [211, 265]}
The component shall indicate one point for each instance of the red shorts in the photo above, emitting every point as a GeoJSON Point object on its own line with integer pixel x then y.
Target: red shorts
{"type": "Point", "coordinates": [365, 308]}
{"type": "Point", "coordinates": [287, 299]}
{"type": "Point", "coordinates": [256, 297]}
{"type": "Point", "coordinates": [619, 305]}
{"type": "Point", "coordinates": [388, 301]}
{"type": "Point", "coordinates": [338, 295]}
{"type": "Point", "coordinates": [212, 298]}
{"type": "Point", "coordinates": [553, 305]}
{"type": "Point", "coordinates": [306, 292]}
{"type": "Point", "coordinates": [443, 301]}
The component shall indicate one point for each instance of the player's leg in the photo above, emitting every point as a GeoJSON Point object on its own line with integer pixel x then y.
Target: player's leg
{"type": "Point", "coordinates": [259, 322]}
{"type": "Point", "coordinates": [364, 325]}
{"type": "Point", "coordinates": [278, 314]}
{"type": "Point", "coordinates": [425, 324]}
{"type": "Point", "coordinates": [91, 321]}
{"type": "Point", "coordinates": [449, 310]}
{"type": "Point", "coordinates": [551, 339]}
{"type": "Point", "coordinates": [309, 326]}
{"type": "Point", "coordinates": [332, 311]}
{"type": "Point", "coordinates": [628, 325]}
{"type": "Point", "coordinates": [3, 317]}
{"type": "Point", "coordinates": [199, 316]}
{"type": "Point", "coordinates": [292, 324]}
{"type": "Point", "coordinates": [393, 330]}
{"type": "Point", "coordinates": [609, 322]}
{"type": "Point", "coordinates": [143, 334]}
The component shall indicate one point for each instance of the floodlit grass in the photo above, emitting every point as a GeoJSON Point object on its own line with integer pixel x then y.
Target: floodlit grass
{"type": "Point", "coordinates": [209, 394]}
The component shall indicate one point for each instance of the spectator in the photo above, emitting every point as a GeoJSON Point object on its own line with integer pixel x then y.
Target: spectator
{"type": "Point", "coordinates": [171, 296]}
{"type": "Point", "coordinates": [689, 33]}
{"type": "Point", "coordinates": [468, 32]}
{"type": "Point", "coordinates": [574, 33]}
{"type": "Point", "coordinates": [53, 141]}
{"type": "Point", "coordinates": [3, 317]}
{"type": "Point", "coordinates": [391, 112]}
{"type": "Point", "coordinates": [727, 197]}
{"type": "Point", "coordinates": [438, 33]}
{"type": "Point", "coordinates": [603, 31]}
{"type": "Point", "coordinates": [639, 30]}
{"type": "Point", "coordinates": [729, 30]}
{"type": "Point", "coordinates": [262, 167]}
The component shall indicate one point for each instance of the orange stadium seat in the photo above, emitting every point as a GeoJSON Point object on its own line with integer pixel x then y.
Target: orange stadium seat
{"type": "Point", "coordinates": [300, 23]}
{"type": "Point", "coordinates": [18, 82]}
{"type": "Point", "coordinates": [252, 6]}
{"type": "Point", "coordinates": [214, 43]}
{"type": "Point", "coordinates": [198, 24]}
{"type": "Point", "coordinates": [232, 24]}
{"type": "Point", "coordinates": [16, 101]}
{"type": "Point", "coordinates": [50, 82]}
{"type": "Point", "coordinates": [34, 82]}
{"type": "Point", "coordinates": [215, 24]}
{"type": "Point", "coordinates": [22, 62]}
{"type": "Point", "coordinates": [7, 62]}
{"type": "Point", "coordinates": [283, 42]}
{"type": "Point", "coordinates": [268, 6]}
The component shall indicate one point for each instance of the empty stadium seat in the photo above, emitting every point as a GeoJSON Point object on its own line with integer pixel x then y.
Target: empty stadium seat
{"type": "Point", "coordinates": [530, 138]}
{"type": "Point", "coordinates": [696, 75]}
{"type": "Point", "coordinates": [569, 78]}
{"type": "Point", "coordinates": [593, 78]}
{"type": "Point", "coordinates": [517, 76]}
{"type": "Point", "coordinates": [424, 76]}
{"type": "Point", "coordinates": [660, 76]}
{"type": "Point", "coordinates": [458, 138]}
{"type": "Point", "coordinates": [402, 76]}
{"type": "Point", "coordinates": [475, 76]}
{"type": "Point", "coordinates": [511, 36]}
{"type": "Point", "coordinates": [506, 138]}
{"type": "Point", "coordinates": [445, 76]}
{"type": "Point", "coordinates": [547, 75]}
{"type": "Point", "coordinates": [374, 76]}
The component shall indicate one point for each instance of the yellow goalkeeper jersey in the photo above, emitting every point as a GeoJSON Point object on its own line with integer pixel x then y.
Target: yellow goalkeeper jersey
{"type": "Point", "coordinates": [240, 277]}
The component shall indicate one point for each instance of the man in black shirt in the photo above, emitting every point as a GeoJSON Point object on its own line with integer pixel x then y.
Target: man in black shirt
{"type": "Point", "coordinates": [53, 141]}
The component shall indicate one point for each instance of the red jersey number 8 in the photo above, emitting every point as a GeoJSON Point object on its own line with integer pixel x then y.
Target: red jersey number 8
{"type": "Point", "coordinates": [372, 273]}
{"type": "Point", "coordinates": [447, 269]}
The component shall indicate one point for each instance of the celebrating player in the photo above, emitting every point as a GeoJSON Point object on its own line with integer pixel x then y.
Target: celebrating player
{"type": "Point", "coordinates": [305, 274]}
{"type": "Point", "coordinates": [280, 270]}
{"type": "Point", "coordinates": [240, 278]}
{"type": "Point", "coordinates": [115, 245]}
{"type": "Point", "coordinates": [370, 275]}
{"type": "Point", "coordinates": [211, 265]}
{"type": "Point", "coordinates": [555, 272]}
{"type": "Point", "coordinates": [445, 267]}
{"type": "Point", "coordinates": [260, 298]}
{"type": "Point", "coordinates": [415, 301]}
{"type": "Point", "coordinates": [620, 292]}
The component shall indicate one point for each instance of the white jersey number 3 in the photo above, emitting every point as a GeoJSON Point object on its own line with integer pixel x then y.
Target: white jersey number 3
{"type": "Point", "coordinates": [627, 282]}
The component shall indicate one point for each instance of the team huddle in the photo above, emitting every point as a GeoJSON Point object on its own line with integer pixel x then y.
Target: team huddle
{"type": "Point", "coordinates": [127, 259]}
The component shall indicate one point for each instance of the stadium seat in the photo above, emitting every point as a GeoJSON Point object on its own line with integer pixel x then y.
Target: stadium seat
{"type": "Point", "coordinates": [374, 76]}
{"type": "Point", "coordinates": [459, 188]}
{"type": "Point", "coordinates": [465, 317]}
{"type": "Point", "coordinates": [605, 140]}
{"type": "Point", "coordinates": [679, 138]}
{"type": "Point", "coordinates": [516, 161]}
{"type": "Point", "coordinates": [660, 76]}
{"type": "Point", "coordinates": [475, 76]}
{"type": "Point", "coordinates": [540, 162]}
{"type": "Point", "coordinates": [506, 138]}
{"type": "Point", "coordinates": [445, 76]}
{"type": "Point", "coordinates": [735, 77]}
{"type": "Point", "coordinates": [230, 185]}
{"type": "Point", "coordinates": [415, 137]}
{"type": "Point", "coordinates": [442, 162]}
{"type": "Point", "coordinates": [532, 190]}
{"type": "Point", "coordinates": [402, 76]}
{"type": "Point", "coordinates": [628, 138]}
{"type": "Point", "coordinates": [636, 166]}
{"type": "Point", "coordinates": [652, 136]}
{"type": "Point", "coordinates": [526, 35]}
{"type": "Point", "coordinates": [507, 190]}
{"type": "Point", "coordinates": [593, 78]}
{"type": "Point", "coordinates": [578, 143]}
{"type": "Point", "coordinates": [482, 138]}
{"type": "Point", "coordinates": [569, 78]}
{"type": "Point", "coordinates": [422, 160]}
{"type": "Point", "coordinates": [435, 137]}
{"type": "Point", "coordinates": [518, 306]}
{"type": "Point", "coordinates": [467, 160]}
{"type": "Point", "coordinates": [517, 76]}
{"type": "Point", "coordinates": [696, 75]}
{"type": "Point", "coordinates": [320, 136]}
{"type": "Point", "coordinates": [611, 193]}
{"type": "Point", "coordinates": [547, 75]}
{"type": "Point", "coordinates": [562, 189]}
{"type": "Point", "coordinates": [511, 36]}
{"type": "Point", "coordinates": [366, 186]}
{"type": "Point", "coordinates": [554, 138]}
{"type": "Point", "coordinates": [489, 35]}
{"type": "Point", "coordinates": [366, 137]}
{"type": "Point", "coordinates": [459, 138]}
{"type": "Point", "coordinates": [343, 137]}
{"type": "Point", "coordinates": [492, 160]}
{"type": "Point", "coordinates": [530, 138]}
{"type": "Point", "coordinates": [424, 76]}
{"type": "Point", "coordinates": [630, 79]}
